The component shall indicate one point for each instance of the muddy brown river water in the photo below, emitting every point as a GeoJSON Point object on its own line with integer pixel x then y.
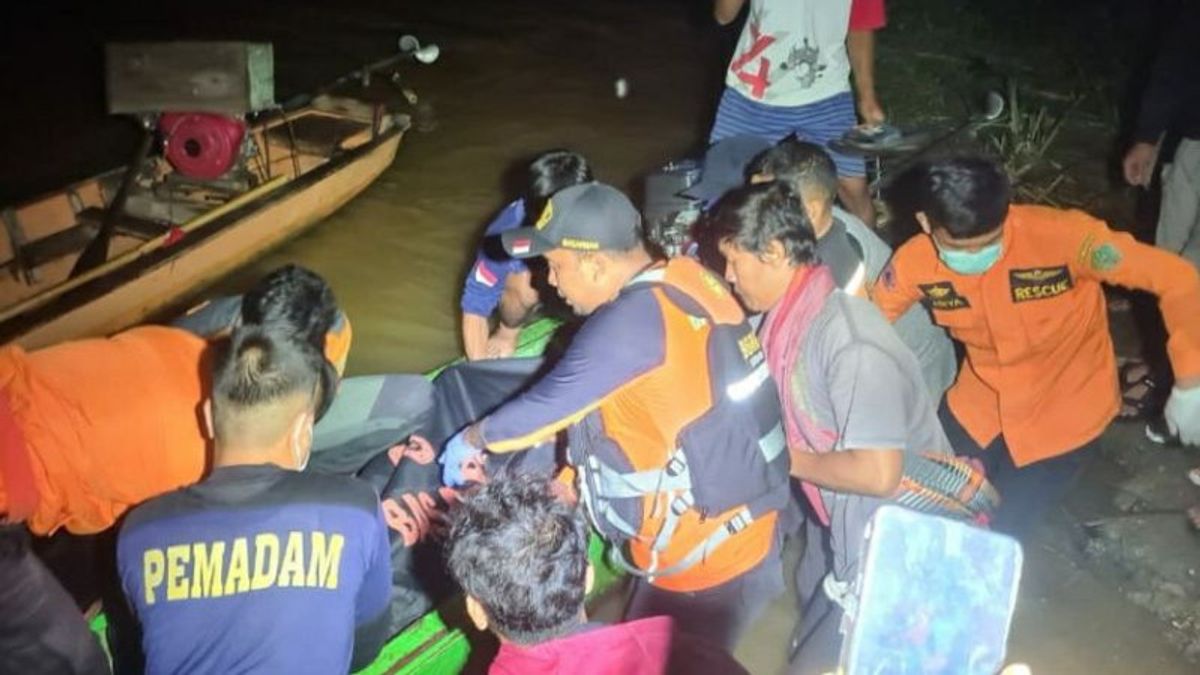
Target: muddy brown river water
{"type": "Point", "coordinates": [514, 78]}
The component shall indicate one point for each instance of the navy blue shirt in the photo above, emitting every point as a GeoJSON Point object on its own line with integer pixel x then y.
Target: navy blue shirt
{"type": "Point", "coordinates": [259, 569]}
{"type": "Point", "coordinates": [484, 285]}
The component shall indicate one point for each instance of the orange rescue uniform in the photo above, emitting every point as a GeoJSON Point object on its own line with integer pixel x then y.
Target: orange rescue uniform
{"type": "Point", "coordinates": [1040, 366]}
{"type": "Point", "coordinates": [105, 424]}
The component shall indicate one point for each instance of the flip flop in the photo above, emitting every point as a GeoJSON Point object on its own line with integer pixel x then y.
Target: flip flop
{"type": "Point", "coordinates": [882, 140]}
{"type": "Point", "coordinates": [882, 134]}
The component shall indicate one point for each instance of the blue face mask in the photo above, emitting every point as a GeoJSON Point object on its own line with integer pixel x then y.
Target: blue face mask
{"type": "Point", "coordinates": [971, 262]}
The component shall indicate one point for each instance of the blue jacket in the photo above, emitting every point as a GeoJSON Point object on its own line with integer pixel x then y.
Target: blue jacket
{"type": "Point", "coordinates": [485, 281]}
{"type": "Point", "coordinates": [258, 569]}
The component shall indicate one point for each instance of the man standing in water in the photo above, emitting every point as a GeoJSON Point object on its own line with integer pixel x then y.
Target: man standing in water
{"type": "Point", "coordinates": [674, 423]}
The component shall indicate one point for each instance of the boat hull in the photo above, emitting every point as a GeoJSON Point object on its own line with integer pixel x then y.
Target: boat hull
{"type": "Point", "coordinates": [147, 284]}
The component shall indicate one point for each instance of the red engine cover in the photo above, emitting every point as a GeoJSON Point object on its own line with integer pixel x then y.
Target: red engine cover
{"type": "Point", "coordinates": [201, 145]}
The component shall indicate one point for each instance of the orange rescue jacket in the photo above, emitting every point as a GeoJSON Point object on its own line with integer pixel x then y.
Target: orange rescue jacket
{"type": "Point", "coordinates": [1040, 367]}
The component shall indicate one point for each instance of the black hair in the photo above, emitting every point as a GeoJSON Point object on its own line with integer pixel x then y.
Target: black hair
{"type": "Point", "coordinates": [260, 366]}
{"type": "Point", "coordinates": [752, 216]}
{"type": "Point", "coordinates": [800, 164]}
{"type": "Point", "coordinates": [294, 299]}
{"type": "Point", "coordinates": [552, 171]}
{"type": "Point", "coordinates": [521, 552]}
{"type": "Point", "coordinates": [966, 196]}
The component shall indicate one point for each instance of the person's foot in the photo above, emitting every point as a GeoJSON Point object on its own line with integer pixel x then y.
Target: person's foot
{"type": "Point", "coordinates": [1137, 389]}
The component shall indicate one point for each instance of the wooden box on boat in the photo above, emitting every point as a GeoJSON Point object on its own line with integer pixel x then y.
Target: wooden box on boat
{"type": "Point", "coordinates": [231, 78]}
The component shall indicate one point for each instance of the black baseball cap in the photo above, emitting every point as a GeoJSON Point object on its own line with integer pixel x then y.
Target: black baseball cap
{"type": "Point", "coordinates": [725, 165]}
{"type": "Point", "coordinates": [587, 217]}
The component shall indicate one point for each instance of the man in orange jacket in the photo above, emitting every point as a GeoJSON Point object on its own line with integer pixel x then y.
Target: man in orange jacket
{"type": "Point", "coordinates": [1020, 287]}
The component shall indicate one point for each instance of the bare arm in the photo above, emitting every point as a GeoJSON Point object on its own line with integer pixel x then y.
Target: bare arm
{"type": "Point", "coordinates": [475, 335]}
{"type": "Point", "coordinates": [725, 11]}
{"type": "Point", "coordinates": [860, 46]}
{"type": "Point", "coordinates": [867, 472]}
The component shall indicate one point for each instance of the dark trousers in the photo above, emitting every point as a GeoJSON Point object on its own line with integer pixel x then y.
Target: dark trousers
{"type": "Point", "coordinates": [1026, 492]}
{"type": "Point", "coordinates": [816, 642]}
{"type": "Point", "coordinates": [718, 615]}
{"type": "Point", "coordinates": [41, 629]}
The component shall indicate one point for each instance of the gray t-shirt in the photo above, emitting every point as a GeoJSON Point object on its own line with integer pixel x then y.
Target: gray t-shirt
{"type": "Point", "coordinates": [860, 381]}
{"type": "Point", "coordinates": [928, 341]}
{"type": "Point", "coordinates": [856, 378]}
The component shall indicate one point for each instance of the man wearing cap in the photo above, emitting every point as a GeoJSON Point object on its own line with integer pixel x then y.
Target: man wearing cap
{"type": "Point", "coordinates": [672, 418]}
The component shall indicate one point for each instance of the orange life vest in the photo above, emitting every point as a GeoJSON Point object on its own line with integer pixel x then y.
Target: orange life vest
{"type": "Point", "coordinates": [688, 462]}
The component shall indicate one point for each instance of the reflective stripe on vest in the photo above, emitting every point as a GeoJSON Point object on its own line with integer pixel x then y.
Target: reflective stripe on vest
{"type": "Point", "coordinates": [666, 495]}
{"type": "Point", "coordinates": [739, 521]}
{"type": "Point", "coordinates": [673, 480]}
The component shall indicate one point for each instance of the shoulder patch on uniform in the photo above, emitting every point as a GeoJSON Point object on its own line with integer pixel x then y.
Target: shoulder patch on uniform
{"type": "Point", "coordinates": [484, 275]}
{"type": "Point", "coordinates": [1105, 257]}
{"type": "Point", "coordinates": [1038, 283]}
{"type": "Point", "coordinates": [943, 295]}
{"type": "Point", "coordinates": [1085, 249]}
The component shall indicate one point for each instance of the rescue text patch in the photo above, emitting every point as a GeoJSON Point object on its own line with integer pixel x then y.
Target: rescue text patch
{"type": "Point", "coordinates": [1039, 283]}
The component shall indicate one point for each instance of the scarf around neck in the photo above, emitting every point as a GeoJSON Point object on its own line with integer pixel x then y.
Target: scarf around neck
{"type": "Point", "coordinates": [783, 332]}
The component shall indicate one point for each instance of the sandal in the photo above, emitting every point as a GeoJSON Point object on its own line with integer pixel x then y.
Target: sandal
{"type": "Point", "coordinates": [879, 135]}
{"type": "Point", "coordinates": [1137, 390]}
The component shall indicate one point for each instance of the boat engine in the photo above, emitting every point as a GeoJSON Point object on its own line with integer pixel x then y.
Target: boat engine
{"type": "Point", "coordinates": [669, 214]}
{"type": "Point", "coordinates": [200, 145]}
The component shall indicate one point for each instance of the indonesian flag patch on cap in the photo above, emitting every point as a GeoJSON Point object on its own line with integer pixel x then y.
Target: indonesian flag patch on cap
{"type": "Point", "coordinates": [521, 246]}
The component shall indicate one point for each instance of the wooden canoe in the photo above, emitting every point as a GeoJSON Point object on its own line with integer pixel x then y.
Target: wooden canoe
{"type": "Point", "coordinates": [176, 235]}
